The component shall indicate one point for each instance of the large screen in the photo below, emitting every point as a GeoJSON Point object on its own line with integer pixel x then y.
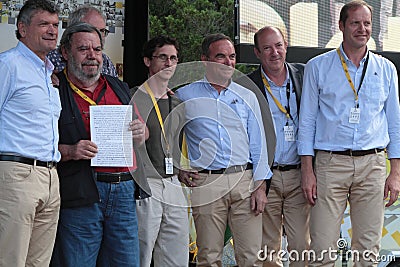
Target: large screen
{"type": "Point", "coordinates": [316, 23]}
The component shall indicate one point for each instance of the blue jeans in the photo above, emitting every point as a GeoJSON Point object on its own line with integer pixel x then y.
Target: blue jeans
{"type": "Point", "coordinates": [105, 233]}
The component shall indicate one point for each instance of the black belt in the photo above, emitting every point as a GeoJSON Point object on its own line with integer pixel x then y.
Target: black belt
{"type": "Point", "coordinates": [356, 153]}
{"type": "Point", "coordinates": [47, 164]}
{"type": "Point", "coordinates": [113, 177]}
{"type": "Point", "coordinates": [284, 168]}
{"type": "Point", "coordinates": [232, 169]}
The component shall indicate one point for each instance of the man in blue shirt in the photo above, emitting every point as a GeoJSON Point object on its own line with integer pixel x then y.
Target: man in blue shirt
{"type": "Point", "coordinates": [280, 85]}
{"type": "Point", "coordinates": [29, 112]}
{"type": "Point", "coordinates": [227, 147]}
{"type": "Point", "coordinates": [349, 114]}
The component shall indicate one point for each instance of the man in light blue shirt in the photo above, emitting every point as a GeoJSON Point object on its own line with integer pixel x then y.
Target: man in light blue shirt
{"type": "Point", "coordinates": [29, 112]}
{"type": "Point", "coordinates": [349, 114]}
{"type": "Point", "coordinates": [280, 84]}
{"type": "Point", "coordinates": [227, 147]}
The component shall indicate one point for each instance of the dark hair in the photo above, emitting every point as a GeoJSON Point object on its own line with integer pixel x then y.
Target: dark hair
{"type": "Point", "coordinates": [264, 29]}
{"type": "Point", "coordinates": [66, 38]}
{"type": "Point", "coordinates": [159, 41]}
{"type": "Point", "coordinates": [344, 12]}
{"type": "Point", "coordinates": [30, 8]}
{"type": "Point", "coordinates": [212, 38]}
{"type": "Point", "coordinates": [81, 12]}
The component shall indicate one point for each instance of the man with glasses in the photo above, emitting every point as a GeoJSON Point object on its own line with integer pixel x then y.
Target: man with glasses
{"type": "Point", "coordinates": [162, 218]}
{"type": "Point", "coordinates": [94, 17]}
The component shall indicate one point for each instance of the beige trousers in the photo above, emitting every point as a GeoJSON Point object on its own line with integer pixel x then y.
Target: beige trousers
{"type": "Point", "coordinates": [163, 224]}
{"type": "Point", "coordinates": [29, 208]}
{"type": "Point", "coordinates": [360, 181]}
{"type": "Point", "coordinates": [221, 200]}
{"type": "Point", "coordinates": [286, 208]}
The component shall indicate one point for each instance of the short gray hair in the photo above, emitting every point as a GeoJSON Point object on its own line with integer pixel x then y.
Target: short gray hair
{"type": "Point", "coordinates": [66, 38]}
{"type": "Point", "coordinates": [212, 38]}
{"type": "Point", "coordinates": [30, 8]}
{"type": "Point", "coordinates": [81, 12]}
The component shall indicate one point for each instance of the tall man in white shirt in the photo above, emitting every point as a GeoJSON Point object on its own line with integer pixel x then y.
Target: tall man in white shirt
{"type": "Point", "coordinates": [29, 112]}
{"type": "Point", "coordinates": [349, 114]}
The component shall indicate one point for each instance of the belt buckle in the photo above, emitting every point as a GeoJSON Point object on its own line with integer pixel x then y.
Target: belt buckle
{"type": "Point", "coordinates": [119, 180]}
{"type": "Point", "coordinates": [235, 168]}
{"type": "Point", "coordinates": [280, 167]}
{"type": "Point", "coordinates": [50, 164]}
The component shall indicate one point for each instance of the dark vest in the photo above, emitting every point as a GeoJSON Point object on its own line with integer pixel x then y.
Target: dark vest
{"type": "Point", "coordinates": [77, 183]}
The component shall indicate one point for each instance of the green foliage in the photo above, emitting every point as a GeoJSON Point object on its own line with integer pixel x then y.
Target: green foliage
{"type": "Point", "coordinates": [246, 68]}
{"type": "Point", "coordinates": [189, 21]}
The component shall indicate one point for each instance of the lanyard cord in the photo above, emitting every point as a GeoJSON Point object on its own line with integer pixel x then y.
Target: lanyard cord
{"type": "Point", "coordinates": [284, 110]}
{"type": "Point", "coordinates": [83, 95]}
{"type": "Point", "coordinates": [157, 109]}
{"type": "Point", "coordinates": [346, 71]}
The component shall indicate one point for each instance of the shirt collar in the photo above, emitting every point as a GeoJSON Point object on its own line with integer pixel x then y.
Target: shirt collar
{"type": "Point", "coordinates": [210, 88]}
{"type": "Point", "coordinates": [347, 58]}
{"type": "Point", "coordinates": [28, 53]}
{"type": "Point", "coordinates": [271, 83]}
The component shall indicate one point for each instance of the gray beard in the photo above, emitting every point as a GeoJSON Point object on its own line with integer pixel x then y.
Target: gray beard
{"type": "Point", "coordinates": [77, 71]}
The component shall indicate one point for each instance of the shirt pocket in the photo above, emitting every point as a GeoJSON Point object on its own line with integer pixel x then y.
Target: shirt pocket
{"type": "Point", "coordinates": [375, 90]}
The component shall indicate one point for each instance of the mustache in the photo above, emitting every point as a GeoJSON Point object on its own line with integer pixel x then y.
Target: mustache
{"type": "Point", "coordinates": [90, 63]}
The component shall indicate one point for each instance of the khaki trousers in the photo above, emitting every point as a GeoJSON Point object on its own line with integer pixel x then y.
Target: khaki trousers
{"type": "Point", "coordinates": [286, 208]}
{"type": "Point", "coordinates": [29, 208]}
{"type": "Point", "coordinates": [360, 181]}
{"type": "Point", "coordinates": [163, 224]}
{"type": "Point", "coordinates": [220, 200]}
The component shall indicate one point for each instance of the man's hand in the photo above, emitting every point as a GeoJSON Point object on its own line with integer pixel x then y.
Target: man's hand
{"type": "Point", "coordinates": [392, 184]}
{"type": "Point", "coordinates": [138, 130]}
{"type": "Point", "coordinates": [308, 180]}
{"type": "Point", "coordinates": [84, 149]}
{"type": "Point", "coordinates": [259, 197]}
{"type": "Point", "coordinates": [54, 80]}
{"type": "Point", "coordinates": [188, 177]}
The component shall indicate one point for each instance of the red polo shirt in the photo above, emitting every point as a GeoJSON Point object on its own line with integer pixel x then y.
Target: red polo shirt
{"type": "Point", "coordinates": [108, 98]}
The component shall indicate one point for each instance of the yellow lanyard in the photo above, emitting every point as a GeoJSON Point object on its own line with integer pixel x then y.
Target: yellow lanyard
{"type": "Point", "coordinates": [79, 92]}
{"type": "Point", "coordinates": [278, 104]}
{"type": "Point", "coordinates": [346, 71]}
{"type": "Point", "coordinates": [153, 99]}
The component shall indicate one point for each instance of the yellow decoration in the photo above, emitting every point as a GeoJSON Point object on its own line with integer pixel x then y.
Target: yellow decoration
{"type": "Point", "coordinates": [396, 237]}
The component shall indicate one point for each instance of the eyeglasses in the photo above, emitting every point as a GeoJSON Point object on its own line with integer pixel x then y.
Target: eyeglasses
{"type": "Point", "coordinates": [164, 58]}
{"type": "Point", "coordinates": [104, 31]}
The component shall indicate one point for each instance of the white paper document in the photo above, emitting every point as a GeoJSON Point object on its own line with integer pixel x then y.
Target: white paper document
{"type": "Point", "coordinates": [109, 131]}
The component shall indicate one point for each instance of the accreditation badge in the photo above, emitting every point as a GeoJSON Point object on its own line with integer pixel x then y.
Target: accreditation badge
{"type": "Point", "coordinates": [169, 167]}
{"type": "Point", "coordinates": [354, 115]}
{"type": "Point", "coordinates": [289, 133]}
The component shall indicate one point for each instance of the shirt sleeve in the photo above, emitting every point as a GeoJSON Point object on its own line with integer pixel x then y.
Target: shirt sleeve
{"type": "Point", "coordinates": [55, 57]}
{"type": "Point", "coordinates": [257, 142]}
{"type": "Point", "coordinates": [308, 111]}
{"type": "Point", "coordinates": [108, 66]}
{"type": "Point", "coordinates": [5, 84]}
{"type": "Point", "coordinates": [392, 111]}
